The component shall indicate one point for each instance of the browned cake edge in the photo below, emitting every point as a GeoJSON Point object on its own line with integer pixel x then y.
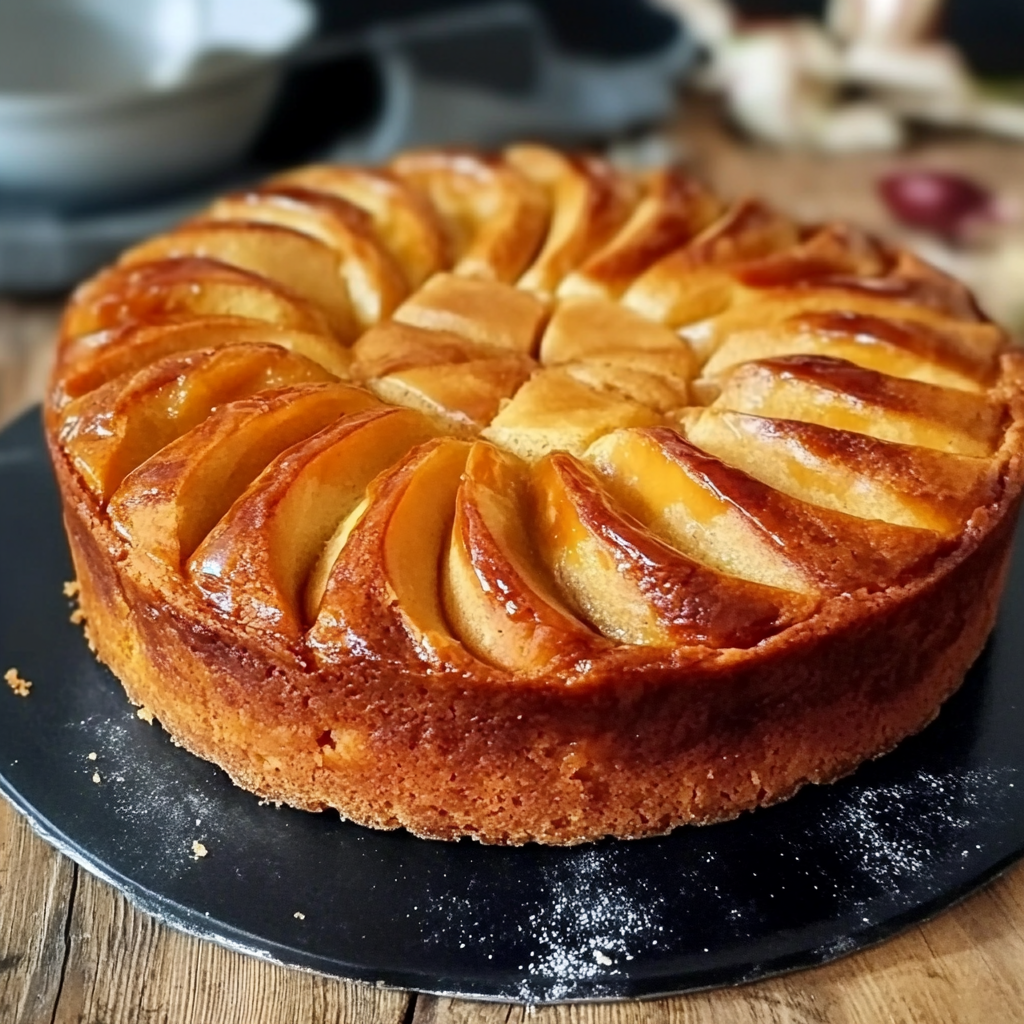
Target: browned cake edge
{"type": "Point", "coordinates": [637, 750]}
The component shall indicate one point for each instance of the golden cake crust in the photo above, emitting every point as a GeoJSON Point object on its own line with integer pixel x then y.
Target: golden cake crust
{"type": "Point", "coordinates": [324, 622]}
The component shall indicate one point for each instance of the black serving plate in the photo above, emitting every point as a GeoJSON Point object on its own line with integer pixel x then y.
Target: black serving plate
{"type": "Point", "coordinates": [835, 869]}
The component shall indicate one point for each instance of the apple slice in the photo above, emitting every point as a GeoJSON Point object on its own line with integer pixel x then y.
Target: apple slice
{"type": "Point", "coordinates": [553, 411]}
{"type": "Point", "coordinates": [111, 430]}
{"type": "Point", "coordinates": [171, 290]}
{"type": "Point", "coordinates": [830, 253]}
{"type": "Point", "coordinates": [498, 601]}
{"type": "Point", "coordinates": [726, 519]}
{"type": "Point", "coordinates": [852, 473]}
{"type": "Point", "coordinates": [761, 314]}
{"type": "Point", "coordinates": [879, 279]}
{"type": "Point", "coordinates": [297, 262]}
{"type": "Point", "coordinates": [255, 563]}
{"type": "Point", "coordinates": [404, 220]}
{"type": "Point", "coordinates": [635, 588]}
{"type": "Point", "coordinates": [590, 201]}
{"type": "Point", "coordinates": [462, 398]}
{"type": "Point", "coordinates": [788, 285]}
{"type": "Point", "coordinates": [673, 210]}
{"type": "Point", "coordinates": [174, 499]}
{"type": "Point", "coordinates": [606, 332]}
{"type": "Point", "coordinates": [89, 362]}
{"type": "Point", "coordinates": [385, 581]}
{"type": "Point", "coordinates": [749, 255]}
{"type": "Point", "coordinates": [486, 312]}
{"type": "Point", "coordinates": [393, 346]}
{"type": "Point", "coordinates": [495, 217]}
{"type": "Point", "coordinates": [953, 356]}
{"type": "Point", "coordinates": [376, 283]}
{"type": "Point", "coordinates": [316, 585]}
{"type": "Point", "coordinates": [697, 281]}
{"type": "Point", "coordinates": [836, 393]}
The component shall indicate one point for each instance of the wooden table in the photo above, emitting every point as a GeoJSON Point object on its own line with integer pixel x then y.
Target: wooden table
{"type": "Point", "coordinates": [74, 951]}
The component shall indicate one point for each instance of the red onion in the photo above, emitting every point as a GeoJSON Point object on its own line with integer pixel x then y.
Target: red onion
{"type": "Point", "coordinates": [935, 201]}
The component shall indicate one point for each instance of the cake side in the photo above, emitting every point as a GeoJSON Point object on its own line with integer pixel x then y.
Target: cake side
{"type": "Point", "coordinates": [636, 751]}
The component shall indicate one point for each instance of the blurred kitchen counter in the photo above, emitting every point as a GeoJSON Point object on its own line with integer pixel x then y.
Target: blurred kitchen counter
{"type": "Point", "coordinates": [74, 951]}
{"type": "Point", "coordinates": [816, 187]}
{"type": "Point", "coordinates": [27, 336]}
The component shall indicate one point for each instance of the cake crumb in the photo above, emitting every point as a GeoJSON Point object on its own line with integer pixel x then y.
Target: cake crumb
{"type": "Point", "coordinates": [299, 915]}
{"type": "Point", "coordinates": [198, 850]}
{"type": "Point", "coordinates": [602, 958]}
{"type": "Point", "coordinates": [77, 617]}
{"type": "Point", "coordinates": [71, 588]}
{"type": "Point", "coordinates": [20, 687]}
{"type": "Point", "coordinates": [92, 756]}
{"type": "Point", "coordinates": [145, 714]}
{"type": "Point", "coordinates": [96, 778]}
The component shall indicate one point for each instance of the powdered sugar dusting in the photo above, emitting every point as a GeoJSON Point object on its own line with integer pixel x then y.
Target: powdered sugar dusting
{"type": "Point", "coordinates": [165, 820]}
{"type": "Point", "coordinates": [592, 920]}
{"type": "Point", "coordinates": [594, 923]}
{"type": "Point", "coordinates": [900, 831]}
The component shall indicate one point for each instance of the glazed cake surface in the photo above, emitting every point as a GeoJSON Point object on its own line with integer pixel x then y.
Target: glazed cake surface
{"type": "Point", "coordinates": [520, 497]}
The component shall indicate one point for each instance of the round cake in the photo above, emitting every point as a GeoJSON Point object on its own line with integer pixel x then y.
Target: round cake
{"type": "Point", "coordinates": [521, 497]}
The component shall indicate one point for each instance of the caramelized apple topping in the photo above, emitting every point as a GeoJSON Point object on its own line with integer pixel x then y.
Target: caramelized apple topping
{"type": "Point", "coordinates": [385, 578]}
{"type": "Point", "coordinates": [255, 563]}
{"type": "Point", "coordinates": [171, 290]}
{"type": "Point", "coordinates": [405, 222]}
{"type": "Point", "coordinates": [496, 595]}
{"type": "Point", "coordinates": [173, 500]}
{"type": "Point", "coordinates": [111, 430]}
{"type": "Point", "coordinates": [495, 217]}
{"type": "Point", "coordinates": [588, 409]}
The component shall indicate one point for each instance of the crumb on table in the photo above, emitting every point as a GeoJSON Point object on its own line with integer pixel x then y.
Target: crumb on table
{"type": "Point", "coordinates": [96, 778]}
{"type": "Point", "coordinates": [92, 755]}
{"type": "Point", "coordinates": [299, 915]}
{"type": "Point", "coordinates": [20, 687]}
{"type": "Point", "coordinates": [145, 714]}
{"type": "Point", "coordinates": [198, 850]}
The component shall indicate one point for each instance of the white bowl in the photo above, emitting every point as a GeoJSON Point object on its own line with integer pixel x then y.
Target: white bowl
{"type": "Point", "coordinates": [106, 98]}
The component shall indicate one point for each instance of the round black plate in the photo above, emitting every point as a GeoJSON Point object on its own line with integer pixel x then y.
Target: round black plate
{"type": "Point", "coordinates": [835, 869]}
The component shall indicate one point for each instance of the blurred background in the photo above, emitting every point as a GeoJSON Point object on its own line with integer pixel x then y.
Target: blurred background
{"type": "Point", "coordinates": [119, 118]}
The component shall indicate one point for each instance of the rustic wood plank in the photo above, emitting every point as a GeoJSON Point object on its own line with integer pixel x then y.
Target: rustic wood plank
{"type": "Point", "coordinates": [35, 892]}
{"type": "Point", "coordinates": [124, 967]}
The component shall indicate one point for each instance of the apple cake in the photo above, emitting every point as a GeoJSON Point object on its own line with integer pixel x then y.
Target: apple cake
{"type": "Point", "coordinates": [520, 497]}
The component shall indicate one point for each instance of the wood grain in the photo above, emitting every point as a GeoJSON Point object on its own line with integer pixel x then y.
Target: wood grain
{"type": "Point", "coordinates": [74, 951]}
{"type": "Point", "coordinates": [125, 967]}
{"type": "Point", "coordinates": [36, 884]}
